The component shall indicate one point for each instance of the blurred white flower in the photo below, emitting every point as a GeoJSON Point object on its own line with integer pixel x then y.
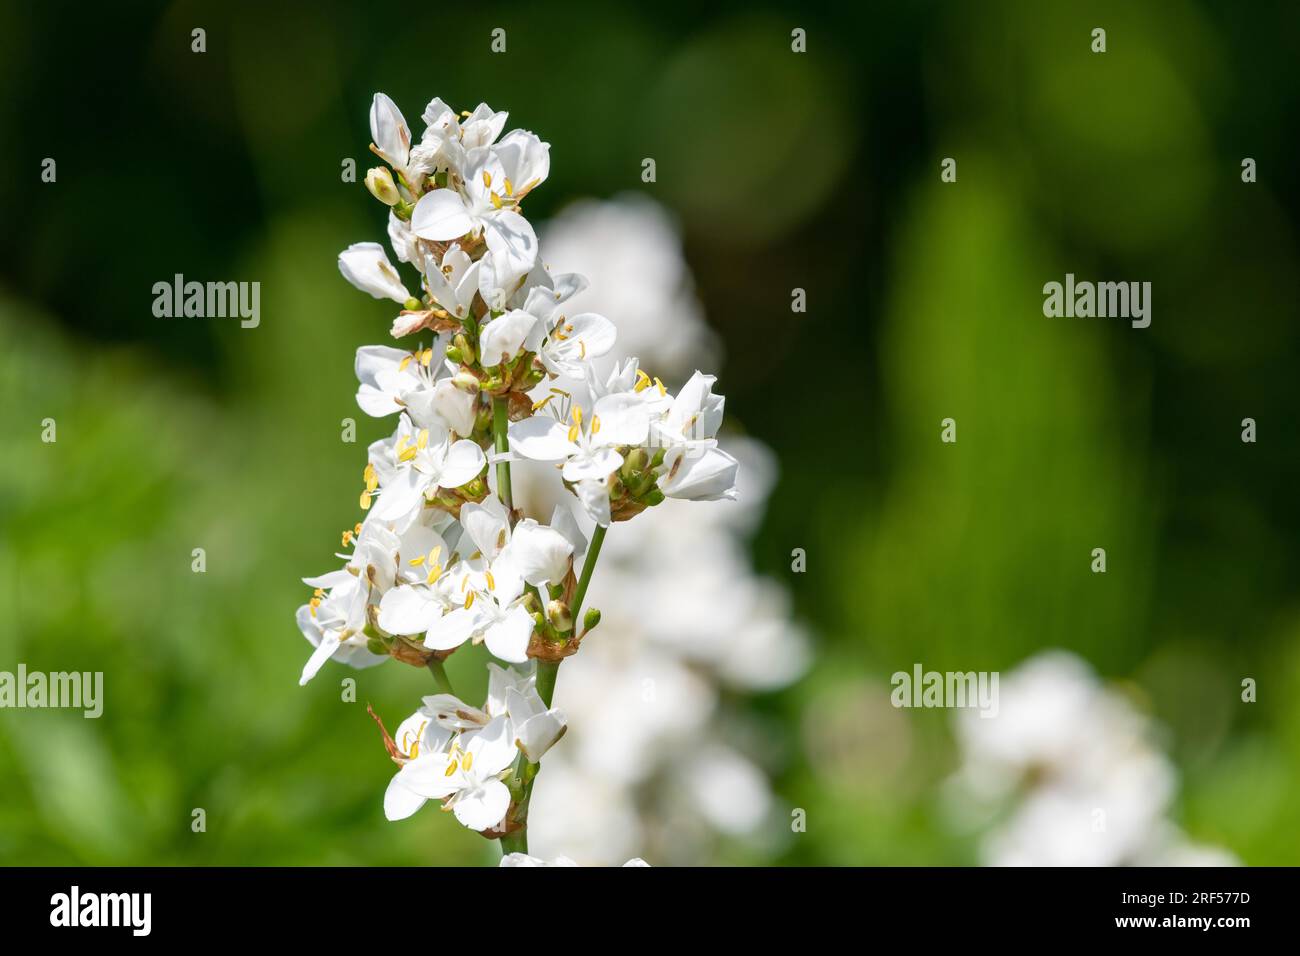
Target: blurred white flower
{"type": "Point", "coordinates": [630, 250]}
{"type": "Point", "coordinates": [1069, 770]}
{"type": "Point", "coordinates": [523, 859]}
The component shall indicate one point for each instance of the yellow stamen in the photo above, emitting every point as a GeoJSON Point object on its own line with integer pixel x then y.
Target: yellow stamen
{"type": "Point", "coordinates": [426, 358]}
{"type": "Point", "coordinates": [416, 562]}
{"type": "Point", "coordinates": [487, 179]}
{"type": "Point", "coordinates": [492, 584]}
{"type": "Point", "coordinates": [642, 381]}
{"type": "Point", "coordinates": [423, 440]}
{"type": "Point", "coordinates": [595, 424]}
{"type": "Point", "coordinates": [660, 385]}
{"type": "Point", "coordinates": [365, 501]}
{"type": "Point", "coordinates": [371, 479]}
{"type": "Point", "coordinates": [510, 187]}
{"type": "Point", "coordinates": [434, 573]}
{"type": "Point", "coordinates": [496, 201]}
{"type": "Point", "coordinates": [541, 403]}
{"type": "Point", "coordinates": [469, 600]}
{"type": "Point", "coordinates": [406, 360]}
{"type": "Point", "coordinates": [466, 762]}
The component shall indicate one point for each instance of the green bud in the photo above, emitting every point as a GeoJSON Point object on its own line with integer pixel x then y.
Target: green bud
{"type": "Point", "coordinates": [466, 350]}
{"type": "Point", "coordinates": [655, 497]}
{"type": "Point", "coordinates": [591, 618]}
{"type": "Point", "coordinates": [380, 183]}
{"type": "Point", "coordinates": [413, 305]}
{"type": "Point", "coordinates": [637, 460]}
{"type": "Point", "coordinates": [376, 646]}
{"type": "Point", "coordinates": [559, 615]}
{"type": "Point", "coordinates": [539, 622]}
{"type": "Point", "coordinates": [658, 458]}
{"type": "Point", "coordinates": [454, 355]}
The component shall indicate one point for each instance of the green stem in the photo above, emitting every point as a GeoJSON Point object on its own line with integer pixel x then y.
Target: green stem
{"type": "Point", "coordinates": [501, 439]}
{"type": "Point", "coordinates": [439, 672]}
{"type": "Point", "coordinates": [588, 566]}
{"type": "Point", "coordinates": [521, 784]}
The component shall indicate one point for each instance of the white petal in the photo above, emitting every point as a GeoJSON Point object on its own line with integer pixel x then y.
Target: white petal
{"type": "Point", "coordinates": [452, 629]}
{"type": "Point", "coordinates": [463, 463]}
{"type": "Point", "coordinates": [484, 806]}
{"type": "Point", "coordinates": [400, 802]}
{"type": "Point", "coordinates": [512, 239]}
{"type": "Point", "coordinates": [441, 215]}
{"type": "Point", "coordinates": [427, 775]}
{"type": "Point", "coordinates": [487, 525]}
{"type": "Point", "coordinates": [541, 438]}
{"type": "Point", "coordinates": [540, 554]}
{"type": "Point", "coordinates": [699, 474]}
{"type": "Point", "coordinates": [623, 420]}
{"type": "Point", "coordinates": [503, 336]}
{"type": "Point", "coordinates": [324, 651]}
{"type": "Point", "coordinates": [366, 266]}
{"type": "Point", "coordinates": [409, 610]}
{"type": "Point", "coordinates": [508, 638]}
{"type": "Point", "coordinates": [598, 464]}
{"type": "Point", "coordinates": [389, 131]}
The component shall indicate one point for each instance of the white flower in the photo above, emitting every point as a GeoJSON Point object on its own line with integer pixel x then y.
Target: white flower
{"type": "Point", "coordinates": [586, 444]}
{"type": "Point", "coordinates": [334, 623]}
{"type": "Point", "coordinates": [630, 248]}
{"type": "Point", "coordinates": [447, 137]}
{"type": "Point", "coordinates": [366, 266]}
{"type": "Point", "coordinates": [698, 474]}
{"type": "Point", "coordinates": [453, 282]}
{"type": "Point", "coordinates": [467, 777]}
{"type": "Point", "coordinates": [484, 202]}
{"type": "Point", "coordinates": [418, 737]}
{"type": "Point", "coordinates": [534, 727]}
{"type": "Point", "coordinates": [1066, 753]}
{"type": "Point", "coordinates": [415, 462]}
{"type": "Point", "coordinates": [392, 138]}
{"type": "Point", "coordinates": [393, 380]}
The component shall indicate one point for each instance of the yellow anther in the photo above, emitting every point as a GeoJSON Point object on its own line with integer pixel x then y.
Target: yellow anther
{"type": "Point", "coordinates": [469, 600]}
{"type": "Point", "coordinates": [416, 562]}
{"type": "Point", "coordinates": [487, 179]}
{"type": "Point", "coordinates": [371, 478]}
{"type": "Point", "coordinates": [492, 584]}
{"type": "Point", "coordinates": [466, 762]}
{"type": "Point", "coordinates": [496, 201]}
{"type": "Point", "coordinates": [577, 414]}
{"type": "Point", "coordinates": [510, 187]}
{"type": "Point", "coordinates": [451, 769]}
{"type": "Point", "coordinates": [574, 431]}
{"type": "Point", "coordinates": [642, 381]}
{"type": "Point", "coordinates": [318, 592]}
{"type": "Point", "coordinates": [595, 424]}
{"type": "Point", "coordinates": [365, 501]}
{"type": "Point", "coordinates": [541, 403]}
{"type": "Point", "coordinates": [582, 348]}
{"type": "Point", "coordinates": [560, 391]}
{"type": "Point", "coordinates": [406, 360]}
{"type": "Point", "coordinates": [435, 572]}
{"type": "Point", "coordinates": [423, 440]}
{"type": "Point", "coordinates": [347, 538]}
{"type": "Point", "coordinates": [426, 358]}
{"type": "Point", "coordinates": [660, 385]}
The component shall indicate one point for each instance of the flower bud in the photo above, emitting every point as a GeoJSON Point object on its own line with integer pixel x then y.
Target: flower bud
{"type": "Point", "coordinates": [655, 497]}
{"type": "Point", "coordinates": [466, 382]}
{"type": "Point", "coordinates": [376, 646]}
{"type": "Point", "coordinates": [413, 305]}
{"type": "Point", "coordinates": [590, 619]}
{"type": "Point", "coordinates": [637, 460]}
{"type": "Point", "coordinates": [466, 350]}
{"type": "Point", "coordinates": [558, 613]}
{"type": "Point", "coordinates": [380, 183]}
{"type": "Point", "coordinates": [453, 355]}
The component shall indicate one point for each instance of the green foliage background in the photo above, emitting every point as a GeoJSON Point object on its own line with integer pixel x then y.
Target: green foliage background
{"type": "Point", "coordinates": [817, 171]}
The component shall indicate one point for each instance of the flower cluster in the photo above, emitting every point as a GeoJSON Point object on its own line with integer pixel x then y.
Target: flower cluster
{"type": "Point", "coordinates": [498, 370]}
{"type": "Point", "coordinates": [1067, 774]}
